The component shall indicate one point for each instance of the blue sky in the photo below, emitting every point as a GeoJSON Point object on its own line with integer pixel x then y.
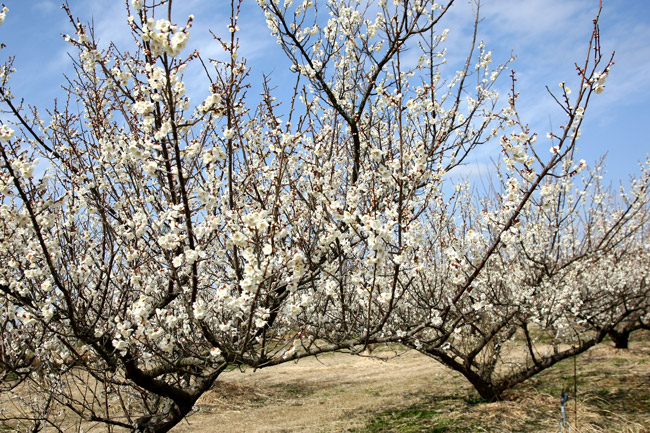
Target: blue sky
{"type": "Point", "coordinates": [547, 36]}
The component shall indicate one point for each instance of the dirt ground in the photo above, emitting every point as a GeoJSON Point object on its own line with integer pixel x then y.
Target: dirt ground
{"type": "Point", "coordinates": [335, 392]}
{"type": "Point", "coordinates": [413, 393]}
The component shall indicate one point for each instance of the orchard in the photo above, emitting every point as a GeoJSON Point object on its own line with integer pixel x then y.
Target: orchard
{"type": "Point", "coordinates": [152, 239]}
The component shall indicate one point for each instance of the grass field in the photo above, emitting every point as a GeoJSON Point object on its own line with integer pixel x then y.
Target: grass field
{"type": "Point", "coordinates": [412, 393]}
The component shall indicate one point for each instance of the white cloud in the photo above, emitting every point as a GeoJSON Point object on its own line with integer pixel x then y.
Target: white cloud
{"type": "Point", "coordinates": [45, 7]}
{"type": "Point", "coordinates": [533, 19]}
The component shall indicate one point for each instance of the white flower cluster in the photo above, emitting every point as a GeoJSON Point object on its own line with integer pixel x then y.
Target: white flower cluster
{"type": "Point", "coordinates": [597, 83]}
{"type": "Point", "coordinates": [164, 37]}
{"type": "Point", "coordinates": [6, 133]}
{"type": "Point", "coordinates": [3, 14]}
{"type": "Point", "coordinates": [515, 153]}
{"type": "Point", "coordinates": [210, 102]}
{"type": "Point", "coordinates": [122, 77]}
{"type": "Point", "coordinates": [215, 154]}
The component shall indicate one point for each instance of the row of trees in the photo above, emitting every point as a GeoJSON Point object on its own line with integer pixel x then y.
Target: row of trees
{"type": "Point", "coordinates": [150, 242]}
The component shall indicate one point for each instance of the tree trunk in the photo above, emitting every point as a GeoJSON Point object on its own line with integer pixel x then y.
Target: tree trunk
{"type": "Point", "coordinates": [164, 422]}
{"type": "Point", "coordinates": [489, 391]}
{"type": "Point", "coordinates": [492, 389]}
{"type": "Point", "coordinates": [621, 339]}
{"type": "Point", "coordinates": [486, 388]}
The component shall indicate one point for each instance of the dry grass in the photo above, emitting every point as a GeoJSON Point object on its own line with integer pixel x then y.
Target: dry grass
{"type": "Point", "coordinates": [332, 393]}
{"type": "Point", "coordinates": [412, 393]}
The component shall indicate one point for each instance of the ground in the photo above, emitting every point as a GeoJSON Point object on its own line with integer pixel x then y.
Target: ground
{"type": "Point", "coordinates": [413, 393]}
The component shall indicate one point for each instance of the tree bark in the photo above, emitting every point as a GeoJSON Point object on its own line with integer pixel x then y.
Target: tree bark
{"type": "Point", "coordinates": [621, 339]}
{"type": "Point", "coordinates": [164, 422]}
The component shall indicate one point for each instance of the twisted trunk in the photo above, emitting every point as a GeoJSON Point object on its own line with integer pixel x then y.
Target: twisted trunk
{"type": "Point", "coordinates": [621, 339]}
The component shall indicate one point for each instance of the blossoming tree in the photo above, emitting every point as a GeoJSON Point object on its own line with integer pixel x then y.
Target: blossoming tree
{"type": "Point", "coordinates": [573, 269]}
{"type": "Point", "coordinates": [152, 241]}
{"type": "Point", "coordinates": [568, 270]}
{"type": "Point", "coordinates": [554, 270]}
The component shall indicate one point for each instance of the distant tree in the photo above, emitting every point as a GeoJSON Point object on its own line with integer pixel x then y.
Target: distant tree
{"type": "Point", "coordinates": [620, 335]}
{"type": "Point", "coordinates": [149, 243]}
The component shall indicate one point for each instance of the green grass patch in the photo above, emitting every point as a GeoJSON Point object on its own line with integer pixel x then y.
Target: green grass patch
{"type": "Point", "coordinates": [474, 399]}
{"type": "Point", "coordinates": [11, 377]}
{"type": "Point", "coordinates": [414, 419]}
{"type": "Point", "coordinates": [434, 414]}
